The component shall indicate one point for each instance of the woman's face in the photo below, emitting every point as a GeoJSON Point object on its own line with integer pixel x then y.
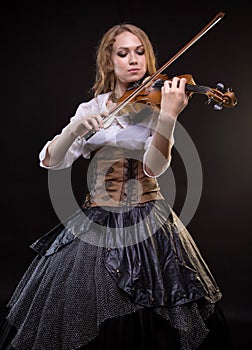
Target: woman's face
{"type": "Point", "coordinates": [128, 58]}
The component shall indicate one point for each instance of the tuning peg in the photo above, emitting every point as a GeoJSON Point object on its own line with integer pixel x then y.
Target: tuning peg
{"type": "Point", "coordinates": [220, 87]}
{"type": "Point", "coordinates": [229, 89]}
{"type": "Point", "coordinates": [218, 107]}
{"type": "Point", "coordinates": [209, 100]}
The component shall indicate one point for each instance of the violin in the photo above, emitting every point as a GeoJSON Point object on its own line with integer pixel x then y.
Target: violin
{"type": "Point", "coordinates": [148, 92]}
{"type": "Point", "coordinates": [151, 95]}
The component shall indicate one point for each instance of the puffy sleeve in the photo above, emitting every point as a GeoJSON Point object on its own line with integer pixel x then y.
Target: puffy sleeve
{"type": "Point", "coordinates": [79, 147]}
{"type": "Point", "coordinates": [148, 144]}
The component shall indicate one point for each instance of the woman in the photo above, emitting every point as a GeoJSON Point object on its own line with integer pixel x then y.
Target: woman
{"type": "Point", "coordinates": [122, 272]}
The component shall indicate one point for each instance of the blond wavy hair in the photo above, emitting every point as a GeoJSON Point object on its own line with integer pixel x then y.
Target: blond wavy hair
{"type": "Point", "coordinates": [105, 78]}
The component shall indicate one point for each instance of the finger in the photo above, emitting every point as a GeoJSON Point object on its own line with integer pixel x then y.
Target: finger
{"type": "Point", "coordinates": [101, 118]}
{"type": "Point", "coordinates": [95, 123]}
{"type": "Point", "coordinates": [87, 124]}
{"type": "Point", "coordinates": [104, 115]}
{"type": "Point", "coordinates": [166, 86]}
{"type": "Point", "coordinates": [182, 83]}
{"type": "Point", "coordinates": [98, 121]}
{"type": "Point", "coordinates": [175, 83]}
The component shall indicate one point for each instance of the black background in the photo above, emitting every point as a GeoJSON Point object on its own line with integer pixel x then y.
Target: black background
{"type": "Point", "coordinates": [48, 69]}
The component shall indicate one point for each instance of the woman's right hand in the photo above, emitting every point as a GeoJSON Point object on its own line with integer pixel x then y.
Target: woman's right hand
{"type": "Point", "coordinates": [92, 122]}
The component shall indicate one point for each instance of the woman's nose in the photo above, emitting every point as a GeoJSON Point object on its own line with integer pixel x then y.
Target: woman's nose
{"type": "Point", "coordinates": [133, 58]}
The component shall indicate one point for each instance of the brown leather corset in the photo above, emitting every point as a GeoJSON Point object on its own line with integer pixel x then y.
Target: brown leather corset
{"type": "Point", "coordinates": [116, 178]}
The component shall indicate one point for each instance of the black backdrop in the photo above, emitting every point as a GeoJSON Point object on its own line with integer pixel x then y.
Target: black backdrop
{"type": "Point", "coordinates": [49, 51]}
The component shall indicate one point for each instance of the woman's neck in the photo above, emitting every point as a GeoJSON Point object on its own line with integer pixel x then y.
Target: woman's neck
{"type": "Point", "coordinates": [118, 91]}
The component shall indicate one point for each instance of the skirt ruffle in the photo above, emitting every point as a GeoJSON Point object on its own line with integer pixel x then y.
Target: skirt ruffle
{"type": "Point", "coordinates": [102, 264]}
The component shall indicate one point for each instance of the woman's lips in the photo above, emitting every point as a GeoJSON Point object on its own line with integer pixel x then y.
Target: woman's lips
{"type": "Point", "coordinates": [135, 70]}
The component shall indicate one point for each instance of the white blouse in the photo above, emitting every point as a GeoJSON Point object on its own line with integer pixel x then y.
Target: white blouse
{"type": "Point", "coordinates": [118, 132]}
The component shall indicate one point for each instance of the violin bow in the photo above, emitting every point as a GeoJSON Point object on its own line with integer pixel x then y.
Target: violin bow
{"type": "Point", "coordinates": [117, 108]}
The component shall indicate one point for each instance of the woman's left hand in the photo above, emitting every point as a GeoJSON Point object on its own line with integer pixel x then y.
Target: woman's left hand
{"type": "Point", "coordinates": [174, 98]}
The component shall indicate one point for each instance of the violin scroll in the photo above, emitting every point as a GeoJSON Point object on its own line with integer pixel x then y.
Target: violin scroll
{"type": "Point", "coordinates": [226, 99]}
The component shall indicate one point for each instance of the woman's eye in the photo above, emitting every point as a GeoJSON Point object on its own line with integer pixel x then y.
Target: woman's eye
{"type": "Point", "coordinates": [140, 52]}
{"type": "Point", "coordinates": [122, 53]}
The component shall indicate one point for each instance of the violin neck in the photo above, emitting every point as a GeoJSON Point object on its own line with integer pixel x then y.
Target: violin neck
{"type": "Point", "coordinates": [200, 89]}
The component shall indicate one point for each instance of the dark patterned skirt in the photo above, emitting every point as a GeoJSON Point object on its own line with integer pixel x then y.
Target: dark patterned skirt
{"type": "Point", "coordinates": [128, 279]}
